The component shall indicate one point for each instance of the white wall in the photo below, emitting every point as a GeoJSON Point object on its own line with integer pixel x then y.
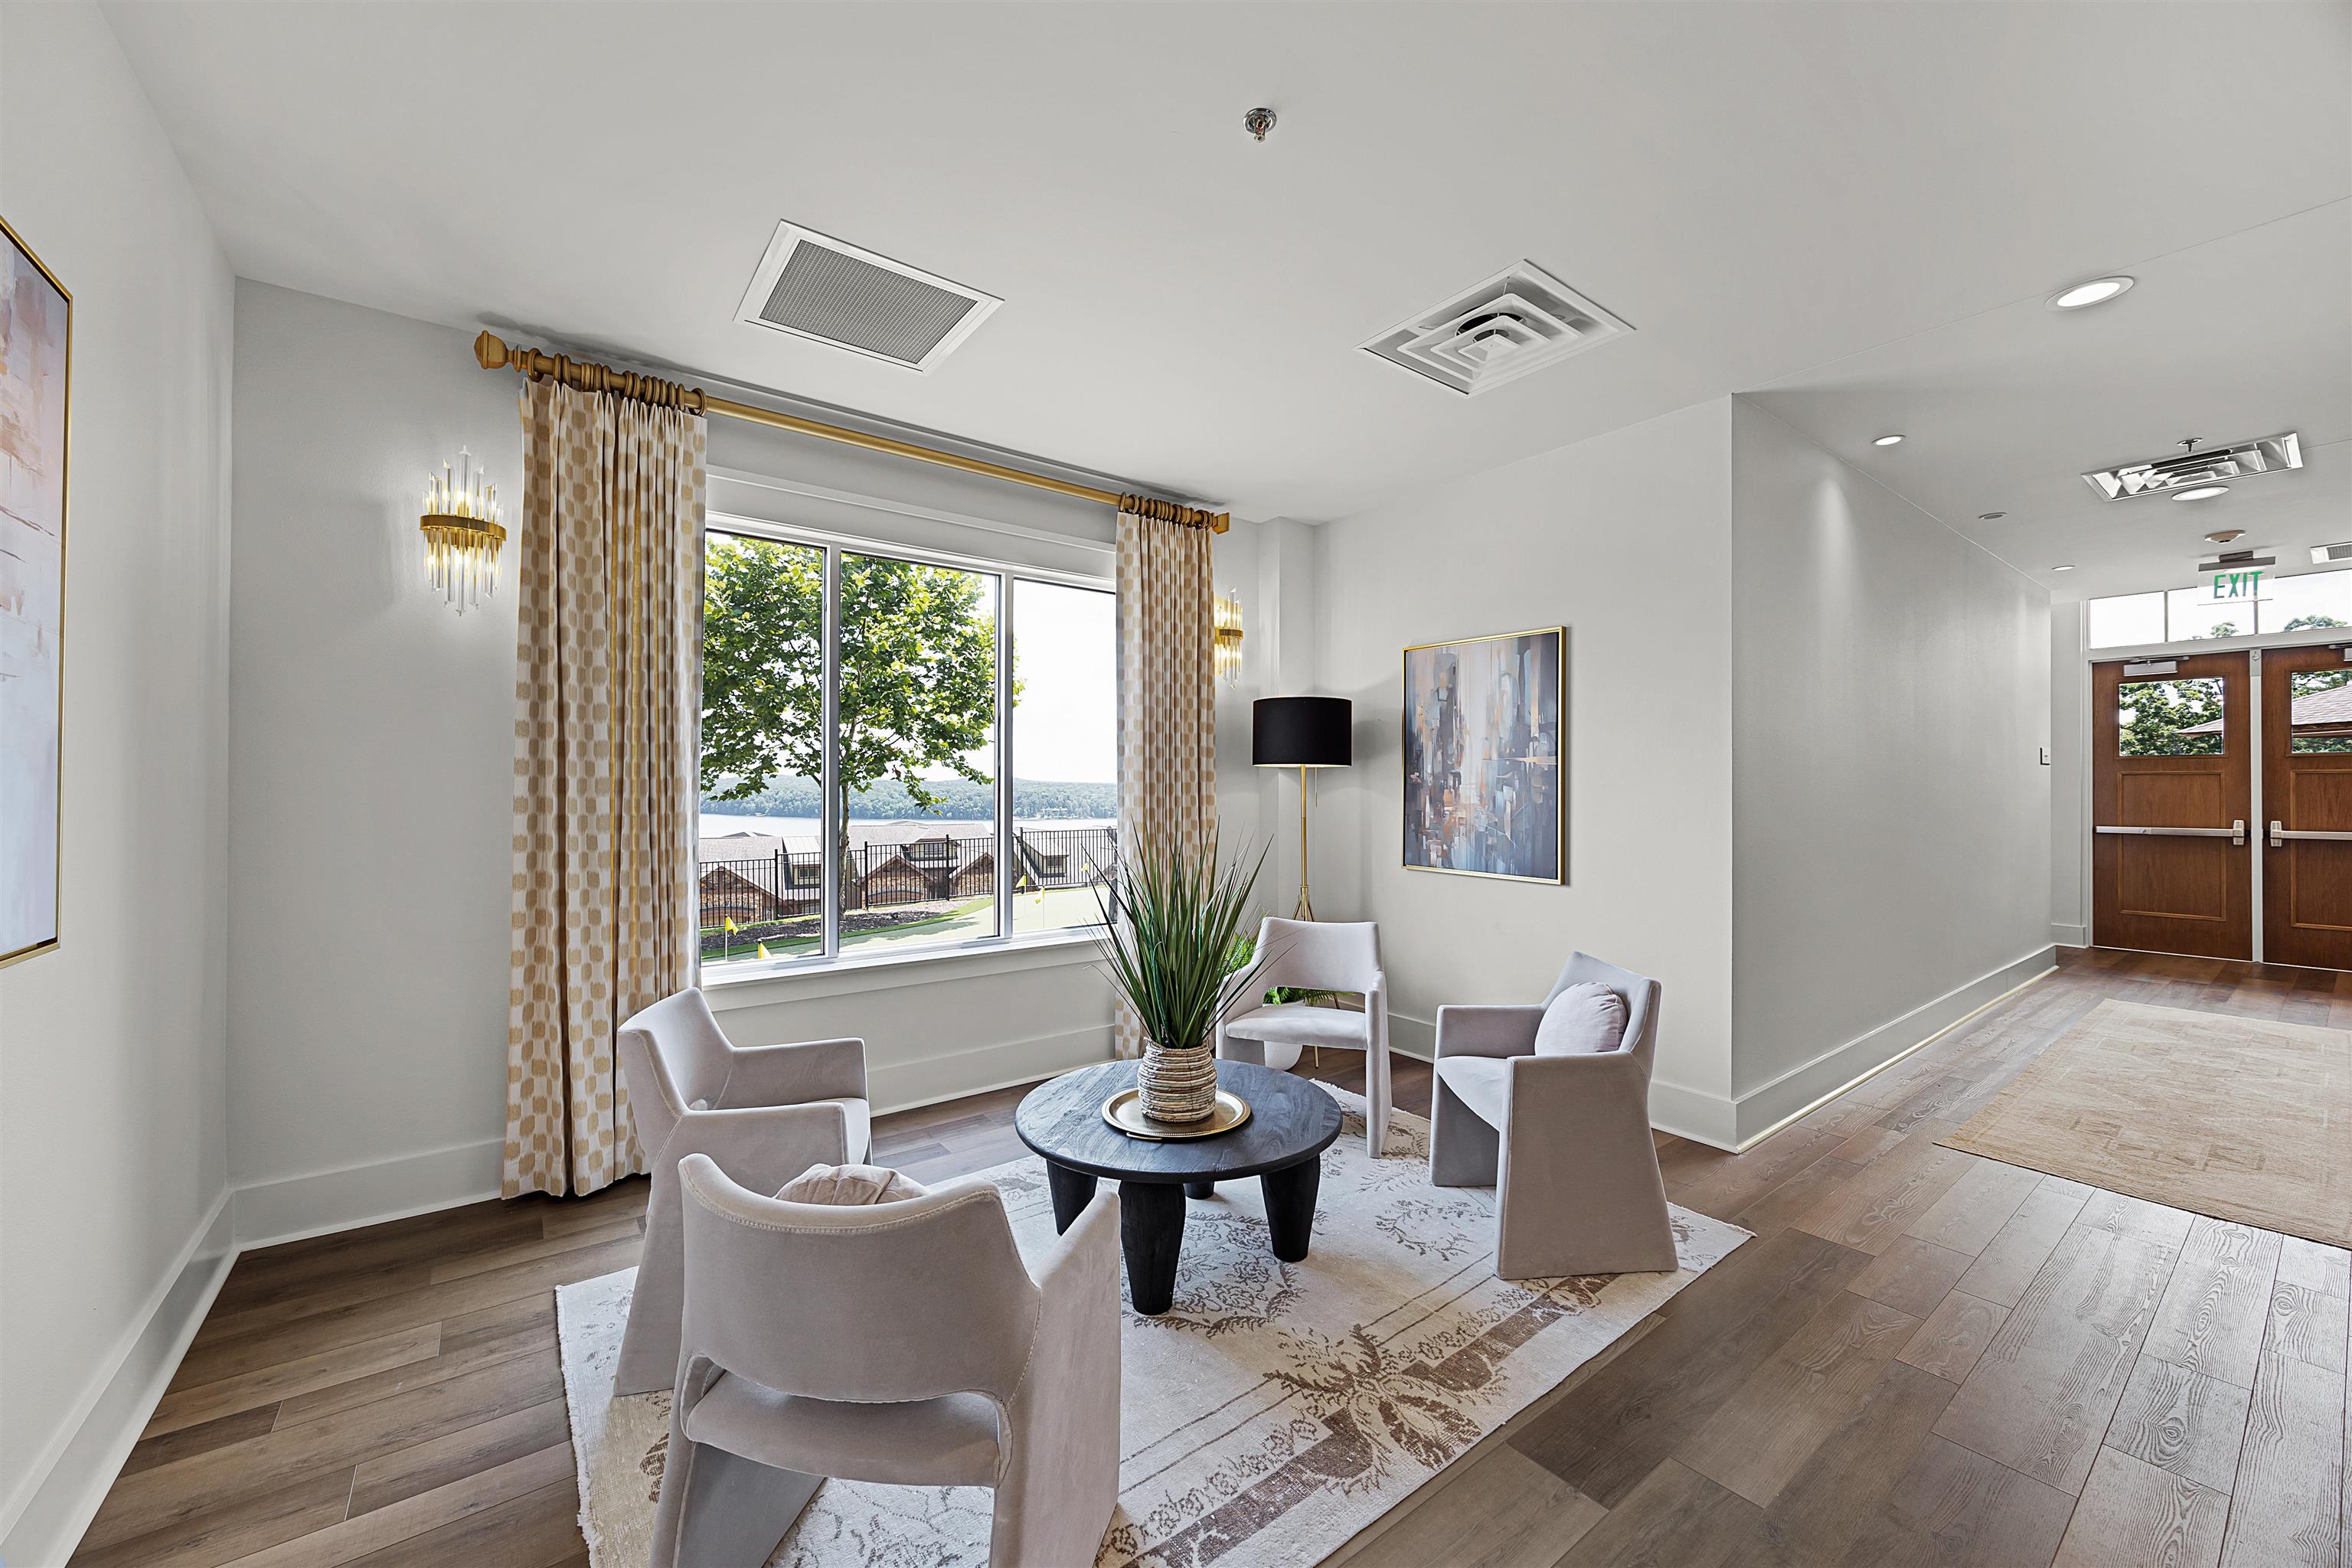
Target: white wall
{"type": "Point", "coordinates": [371, 731]}
{"type": "Point", "coordinates": [2070, 731]}
{"type": "Point", "coordinates": [1624, 539]}
{"type": "Point", "coordinates": [1275, 567]}
{"type": "Point", "coordinates": [372, 734]}
{"type": "Point", "coordinates": [112, 1055]}
{"type": "Point", "coordinates": [1891, 812]}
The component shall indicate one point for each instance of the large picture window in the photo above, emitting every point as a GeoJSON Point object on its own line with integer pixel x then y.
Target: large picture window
{"type": "Point", "coordinates": [863, 791]}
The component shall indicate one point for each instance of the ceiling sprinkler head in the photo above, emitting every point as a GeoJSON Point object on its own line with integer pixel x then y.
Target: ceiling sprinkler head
{"type": "Point", "coordinates": [1258, 122]}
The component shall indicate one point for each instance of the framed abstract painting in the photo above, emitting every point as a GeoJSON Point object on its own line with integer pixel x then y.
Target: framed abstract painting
{"type": "Point", "coordinates": [35, 350]}
{"type": "Point", "coordinates": [1486, 749]}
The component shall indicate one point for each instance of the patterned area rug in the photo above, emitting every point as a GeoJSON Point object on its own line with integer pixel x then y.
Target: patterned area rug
{"type": "Point", "coordinates": [1274, 1411]}
{"type": "Point", "coordinates": [2243, 1119]}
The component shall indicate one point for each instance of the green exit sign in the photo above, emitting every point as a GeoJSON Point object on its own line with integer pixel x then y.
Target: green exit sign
{"type": "Point", "coordinates": [2231, 587]}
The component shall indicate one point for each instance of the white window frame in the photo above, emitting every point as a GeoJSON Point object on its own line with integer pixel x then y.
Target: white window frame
{"type": "Point", "coordinates": [835, 544]}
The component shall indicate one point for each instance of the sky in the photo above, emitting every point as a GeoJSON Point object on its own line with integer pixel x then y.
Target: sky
{"type": "Point", "coordinates": [1066, 654]}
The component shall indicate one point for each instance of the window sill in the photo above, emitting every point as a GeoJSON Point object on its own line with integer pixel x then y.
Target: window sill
{"type": "Point", "coordinates": [755, 984]}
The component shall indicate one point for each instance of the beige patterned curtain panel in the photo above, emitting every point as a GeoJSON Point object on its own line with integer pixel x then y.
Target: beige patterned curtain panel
{"type": "Point", "coordinates": [1167, 692]}
{"type": "Point", "coordinates": [606, 714]}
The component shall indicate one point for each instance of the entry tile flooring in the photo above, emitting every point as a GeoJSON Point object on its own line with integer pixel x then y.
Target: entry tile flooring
{"type": "Point", "coordinates": [1923, 1357]}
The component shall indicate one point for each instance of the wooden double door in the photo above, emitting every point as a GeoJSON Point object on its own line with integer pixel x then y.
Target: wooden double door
{"type": "Point", "coordinates": [2221, 805]}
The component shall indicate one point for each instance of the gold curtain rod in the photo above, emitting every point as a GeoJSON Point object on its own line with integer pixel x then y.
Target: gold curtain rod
{"type": "Point", "coordinates": [492, 352]}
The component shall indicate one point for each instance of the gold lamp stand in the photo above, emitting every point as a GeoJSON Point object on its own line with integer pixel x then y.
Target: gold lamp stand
{"type": "Point", "coordinates": [1301, 732]}
{"type": "Point", "coordinates": [1305, 910]}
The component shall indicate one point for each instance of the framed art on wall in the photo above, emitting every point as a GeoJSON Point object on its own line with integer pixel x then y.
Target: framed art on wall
{"type": "Point", "coordinates": [1485, 755]}
{"type": "Point", "coordinates": [36, 351]}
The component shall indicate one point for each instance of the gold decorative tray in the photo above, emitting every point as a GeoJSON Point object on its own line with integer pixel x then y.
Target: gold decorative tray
{"type": "Point", "coordinates": [1124, 1110]}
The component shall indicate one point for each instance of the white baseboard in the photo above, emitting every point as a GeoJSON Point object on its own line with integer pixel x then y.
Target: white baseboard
{"type": "Point", "coordinates": [1734, 1124]}
{"type": "Point", "coordinates": [318, 1203]}
{"type": "Point", "coordinates": [44, 1521]}
{"type": "Point", "coordinates": [2070, 936]}
{"type": "Point", "coordinates": [1695, 1114]}
{"type": "Point", "coordinates": [902, 1086]}
{"type": "Point", "coordinates": [1763, 1110]}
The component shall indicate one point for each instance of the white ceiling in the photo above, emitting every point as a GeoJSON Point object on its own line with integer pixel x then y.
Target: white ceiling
{"type": "Point", "coordinates": [2246, 336]}
{"type": "Point", "coordinates": [1859, 206]}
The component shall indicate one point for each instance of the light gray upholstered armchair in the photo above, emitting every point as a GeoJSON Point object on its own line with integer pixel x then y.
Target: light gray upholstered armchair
{"type": "Point", "coordinates": [765, 1113]}
{"type": "Point", "coordinates": [902, 1342]}
{"type": "Point", "coordinates": [1564, 1139]}
{"type": "Point", "coordinates": [1318, 955]}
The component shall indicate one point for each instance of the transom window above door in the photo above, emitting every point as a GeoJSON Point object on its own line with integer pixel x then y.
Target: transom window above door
{"type": "Point", "coordinates": [2306, 602]}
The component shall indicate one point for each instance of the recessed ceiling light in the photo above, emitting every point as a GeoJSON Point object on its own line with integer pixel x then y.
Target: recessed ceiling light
{"type": "Point", "coordinates": [1888, 441]}
{"type": "Point", "coordinates": [2091, 291]}
{"type": "Point", "coordinates": [1990, 516]}
{"type": "Point", "coordinates": [2201, 492]}
{"type": "Point", "coordinates": [2226, 535]}
{"type": "Point", "coordinates": [2066, 568]}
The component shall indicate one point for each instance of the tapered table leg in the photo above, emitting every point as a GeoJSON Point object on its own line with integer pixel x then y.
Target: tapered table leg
{"type": "Point", "coordinates": [1290, 1206]}
{"type": "Point", "coordinates": [1072, 1190]}
{"type": "Point", "coordinates": [1200, 1189]}
{"type": "Point", "coordinates": [1151, 1232]}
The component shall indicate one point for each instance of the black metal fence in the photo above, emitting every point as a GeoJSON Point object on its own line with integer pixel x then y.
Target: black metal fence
{"type": "Point", "coordinates": [789, 884]}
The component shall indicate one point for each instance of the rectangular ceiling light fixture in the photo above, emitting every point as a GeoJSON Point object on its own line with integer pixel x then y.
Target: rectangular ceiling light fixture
{"type": "Point", "coordinates": [829, 291]}
{"type": "Point", "coordinates": [1519, 320]}
{"type": "Point", "coordinates": [2217, 465]}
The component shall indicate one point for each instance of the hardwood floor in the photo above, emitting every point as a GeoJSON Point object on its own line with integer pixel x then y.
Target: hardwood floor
{"type": "Point", "coordinates": [1923, 1357]}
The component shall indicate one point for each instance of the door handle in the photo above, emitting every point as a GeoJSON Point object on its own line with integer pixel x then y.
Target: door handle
{"type": "Point", "coordinates": [2235, 833]}
{"type": "Point", "coordinates": [2281, 833]}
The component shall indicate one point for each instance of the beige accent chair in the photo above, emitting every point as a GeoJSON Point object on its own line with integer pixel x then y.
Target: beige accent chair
{"type": "Point", "coordinates": [1563, 1139]}
{"type": "Point", "coordinates": [901, 1342]}
{"type": "Point", "coordinates": [765, 1113]}
{"type": "Point", "coordinates": [1318, 955]}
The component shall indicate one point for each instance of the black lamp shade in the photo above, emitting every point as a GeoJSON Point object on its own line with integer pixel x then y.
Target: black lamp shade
{"type": "Point", "coordinates": [1300, 732]}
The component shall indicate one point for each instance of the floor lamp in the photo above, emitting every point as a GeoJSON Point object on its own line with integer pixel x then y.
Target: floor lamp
{"type": "Point", "coordinates": [1301, 732]}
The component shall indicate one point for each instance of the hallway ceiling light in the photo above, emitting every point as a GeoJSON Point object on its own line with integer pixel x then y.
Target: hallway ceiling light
{"type": "Point", "coordinates": [1888, 441]}
{"type": "Point", "coordinates": [2226, 535]}
{"type": "Point", "coordinates": [2193, 469]}
{"type": "Point", "coordinates": [2068, 567]}
{"type": "Point", "coordinates": [2091, 291]}
{"type": "Point", "coordinates": [2201, 492]}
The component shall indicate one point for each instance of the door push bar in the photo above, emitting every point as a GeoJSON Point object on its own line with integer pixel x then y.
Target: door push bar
{"type": "Point", "coordinates": [2235, 833]}
{"type": "Point", "coordinates": [2281, 833]}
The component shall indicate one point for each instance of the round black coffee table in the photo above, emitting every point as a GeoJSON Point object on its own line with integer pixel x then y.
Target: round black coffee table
{"type": "Point", "coordinates": [1292, 1121]}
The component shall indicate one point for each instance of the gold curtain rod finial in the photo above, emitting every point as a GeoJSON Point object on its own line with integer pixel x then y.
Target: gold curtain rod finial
{"type": "Point", "coordinates": [490, 350]}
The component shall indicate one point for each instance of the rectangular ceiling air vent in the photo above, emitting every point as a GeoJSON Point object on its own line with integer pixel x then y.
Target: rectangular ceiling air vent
{"type": "Point", "coordinates": [1520, 319]}
{"type": "Point", "coordinates": [2216, 465]}
{"type": "Point", "coordinates": [2328, 554]}
{"type": "Point", "coordinates": [818, 288]}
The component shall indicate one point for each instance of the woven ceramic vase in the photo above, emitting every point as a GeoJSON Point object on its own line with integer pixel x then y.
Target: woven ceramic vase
{"type": "Point", "coordinates": [1177, 1083]}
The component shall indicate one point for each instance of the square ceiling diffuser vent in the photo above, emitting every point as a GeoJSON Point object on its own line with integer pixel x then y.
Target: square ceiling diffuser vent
{"type": "Point", "coordinates": [818, 288]}
{"type": "Point", "coordinates": [1519, 320]}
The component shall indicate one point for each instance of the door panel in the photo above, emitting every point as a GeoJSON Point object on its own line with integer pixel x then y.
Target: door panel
{"type": "Point", "coordinates": [2307, 787]}
{"type": "Point", "coordinates": [2183, 759]}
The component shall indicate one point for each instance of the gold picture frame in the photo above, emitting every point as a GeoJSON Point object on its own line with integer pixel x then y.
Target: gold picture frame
{"type": "Point", "coordinates": [35, 341]}
{"type": "Point", "coordinates": [1519, 814]}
